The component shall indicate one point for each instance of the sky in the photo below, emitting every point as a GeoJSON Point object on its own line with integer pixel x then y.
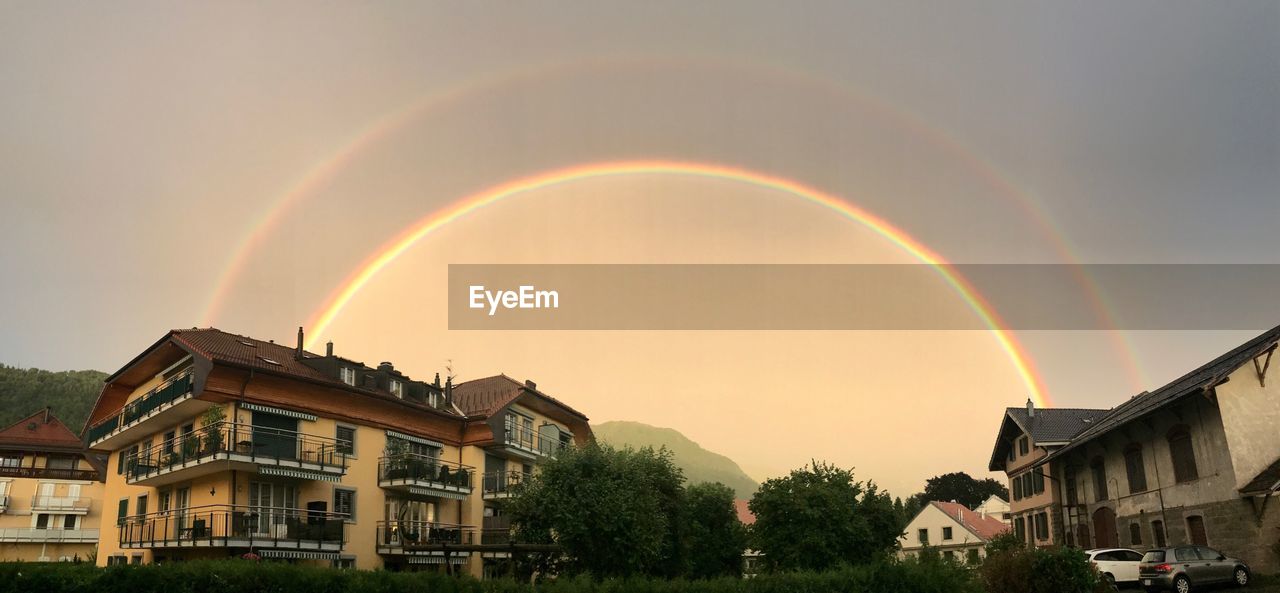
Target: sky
{"type": "Point", "coordinates": [144, 145]}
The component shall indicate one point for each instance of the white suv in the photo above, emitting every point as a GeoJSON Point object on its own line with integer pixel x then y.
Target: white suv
{"type": "Point", "coordinates": [1118, 565]}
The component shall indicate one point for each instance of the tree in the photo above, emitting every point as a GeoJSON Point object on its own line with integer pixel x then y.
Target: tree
{"type": "Point", "coordinates": [959, 487]}
{"type": "Point", "coordinates": [819, 516]}
{"type": "Point", "coordinates": [714, 539]}
{"type": "Point", "coordinates": [613, 512]}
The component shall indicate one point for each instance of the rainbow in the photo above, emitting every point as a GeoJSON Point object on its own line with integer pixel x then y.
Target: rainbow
{"type": "Point", "coordinates": [384, 126]}
{"type": "Point", "coordinates": [387, 253]}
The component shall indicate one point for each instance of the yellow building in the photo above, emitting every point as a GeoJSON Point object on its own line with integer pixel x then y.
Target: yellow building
{"type": "Point", "coordinates": [50, 492]}
{"type": "Point", "coordinates": [222, 445]}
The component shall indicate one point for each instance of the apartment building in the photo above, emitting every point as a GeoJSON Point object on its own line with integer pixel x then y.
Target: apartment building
{"type": "Point", "coordinates": [1194, 462]}
{"type": "Point", "coordinates": [1026, 437]}
{"type": "Point", "coordinates": [954, 531]}
{"type": "Point", "coordinates": [50, 492]}
{"type": "Point", "coordinates": [222, 445]}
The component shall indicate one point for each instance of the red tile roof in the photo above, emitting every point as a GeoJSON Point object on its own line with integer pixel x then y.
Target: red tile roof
{"type": "Point", "coordinates": [744, 511]}
{"type": "Point", "coordinates": [40, 429]}
{"type": "Point", "coordinates": [985, 527]}
{"type": "Point", "coordinates": [484, 397]}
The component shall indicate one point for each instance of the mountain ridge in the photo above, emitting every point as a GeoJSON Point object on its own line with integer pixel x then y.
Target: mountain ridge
{"type": "Point", "coordinates": [697, 463]}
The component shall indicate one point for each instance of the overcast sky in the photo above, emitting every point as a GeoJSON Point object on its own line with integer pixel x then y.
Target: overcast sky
{"type": "Point", "coordinates": [141, 144]}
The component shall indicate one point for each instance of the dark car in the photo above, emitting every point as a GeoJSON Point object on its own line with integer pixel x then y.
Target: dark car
{"type": "Point", "coordinates": [1187, 568]}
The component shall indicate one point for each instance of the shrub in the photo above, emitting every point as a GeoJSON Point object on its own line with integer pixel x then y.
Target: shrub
{"type": "Point", "coordinates": [1017, 569]}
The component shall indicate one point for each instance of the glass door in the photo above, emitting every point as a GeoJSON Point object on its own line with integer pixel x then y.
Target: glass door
{"type": "Point", "coordinates": [273, 506]}
{"type": "Point", "coordinates": [275, 435]}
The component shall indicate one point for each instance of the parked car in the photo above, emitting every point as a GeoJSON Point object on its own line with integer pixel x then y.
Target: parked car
{"type": "Point", "coordinates": [1118, 565]}
{"type": "Point", "coordinates": [1187, 568]}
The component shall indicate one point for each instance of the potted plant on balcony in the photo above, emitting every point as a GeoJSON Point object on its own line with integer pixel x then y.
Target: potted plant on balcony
{"type": "Point", "coordinates": [211, 421]}
{"type": "Point", "coordinates": [397, 459]}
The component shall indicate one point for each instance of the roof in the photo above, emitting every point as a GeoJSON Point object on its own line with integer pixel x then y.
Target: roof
{"type": "Point", "coordinates": [1204, 377]}
{"type": "Point", "coordinates": [983, 526]}
{"type": "Point", "coordinates": [1047, 425]}
{"type": "Point", "coordinates": [1266, 481]}
{"type": "Point", "coordinates": [40, 430]}
{"type": "Point", "coordinates": [742, 506]}
{"type": "Point", "coordinates": [485, 397]}
{"type": "Point", "coordinates": [228, 348]}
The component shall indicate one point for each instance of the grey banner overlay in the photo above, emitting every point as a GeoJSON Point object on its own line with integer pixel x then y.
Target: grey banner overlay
{"type": "Point", "coordinates": [862, 296]}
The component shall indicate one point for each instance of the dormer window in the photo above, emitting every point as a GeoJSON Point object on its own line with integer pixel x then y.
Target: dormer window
{"type": "Point", "coordinates": [397, 388]}
{"type": "Point", "coordinates": [348, 375]}
{"type": "Point", "coordinates": [434, 399]}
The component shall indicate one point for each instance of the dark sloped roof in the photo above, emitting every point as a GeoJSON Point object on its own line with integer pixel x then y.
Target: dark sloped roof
{"type": "Point", "coordinates": [224, 347]}
{"type": "Point", "coordinates": [1266, 481]}
{"type": "Point", "coordinates": [1049, 425]}
{"type": "Point", "coordinates": [484, 397]}
{"type": "Point", "coordinates": [1206, 376]}
{"type": "Point", "coordinates": [1055, 425]}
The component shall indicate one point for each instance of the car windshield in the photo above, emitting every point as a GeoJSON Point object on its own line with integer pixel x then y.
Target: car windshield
{"type": "Point", "coordinates": [1154, 556]}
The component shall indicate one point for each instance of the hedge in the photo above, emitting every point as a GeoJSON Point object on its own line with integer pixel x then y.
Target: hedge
{"type": "Point", "coordinates": [239, 576]}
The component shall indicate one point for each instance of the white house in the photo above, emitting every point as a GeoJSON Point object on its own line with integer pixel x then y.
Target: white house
{"type": "Point", "coordinates": [953, 530]}
{"type": "Point", "coordinates": [994, 507]}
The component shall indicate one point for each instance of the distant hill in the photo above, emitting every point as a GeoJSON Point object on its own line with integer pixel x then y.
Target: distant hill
{"type": "Point", "coordinates": [70, 394]}
{"type": "Point", "coordinates": [698, 464]}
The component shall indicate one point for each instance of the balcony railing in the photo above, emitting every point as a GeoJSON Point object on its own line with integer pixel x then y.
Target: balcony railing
{"type": "Point", "coordinates": [48, 473]}
{"type": "Point", "coordinates": [171, 390]}
{"type": "Point", "coordinates": [499, 484]}
{"type": "Point", "coordinates": [409, 536]}
{"type": "Point", "coordinates": [59, 503]}
{"type": "Point", "coordinates": [235, 526]}
{"type": "Point", "coordinates": [37, 535]}
{"type": "Point", "coordinates": [424, 474]}
{"type": "Point", "coordinates": [238, 442]}
{"type": "Point", "coordinates": [4, 503]}
{"type": "Point", "coordinates": [529, 440]}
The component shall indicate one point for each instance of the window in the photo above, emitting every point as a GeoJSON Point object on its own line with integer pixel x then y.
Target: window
{"type": "Point", "coordinates": [923, 536]}
{"type": "Point", "coordinates": [60, 462]}
{"type": "Point", "coordinates": [433, 398]}
{"type": "Point", "coordinates": [12, 460]}
{"type": "Point", "coordinates": [1042, 525]}
{"type": "Point", "coordinates": [344, 503]}
{"type": "Point", "coordinates": [142, 504]}
{"type": "Point", "coordinates": [346, 437]}
{"type": "Point", "coordinates": [348, 375]}
{"type": "Point", "coordinates": [1070, 480]}
{"type": "Point", "coordinates": [42, 521]}
{"type": "Point", "coordinates": [1020, 529]}
{"type": "Point", "coordinates": [1183, 454]}
{"type": "Point", "coordinates": [397, 389]}
{"type": "Point", "coordinates": [122, 511]}
{"type": "Point", "coordinates": [1135, 469]}
{"type": "Point", "coordinates": [1024, 446]}
{"type": "Point", "coordinates": [68, 521]}
{"type": "Point", "coordinates": [1017, 488]}
{"type": "Point", "coordinates": [344, 562]}
{"type": "Point", "coordinates": [117, 560]}
{"type": "Point", "coordinates": [168, 441]}
{"type": "Point", "coordinates": [946, 533]}
{"type": "Point", "coordinates": [1099, 479]}
{"type": "Point", "coordinates": [949, 555]}
{"type": "Point", "coordinates": [1135, 534]}
{"type": "Point", "coordinates": [1195, 530]}
{"type": "Point", "coordinates": [1157, 533]}
{"type": "Point", "coordinates": [1037, 480]}
{"type": "Point", "coordinates": [973, 556]}
{"type": "Point", "coordinates": [163, 503]}
{"type": "Point", "coordinates": [120, 460]}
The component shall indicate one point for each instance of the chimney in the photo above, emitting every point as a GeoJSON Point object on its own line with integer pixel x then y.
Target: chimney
{"type": "Point", "coordinates": [328, 349]}
{"type": "Point", "coordinates": [386, 366]}
{"type": "Point", "coordinates": [1031, 408]}
{"type": "Point", "coordinates": [437, 383]}
{"type": "Point", "coordinates": [530, 384]}
{"type": "Point", "coordinates": [297, 354]}
{"type": "Point", "coordinates": [448, 391]}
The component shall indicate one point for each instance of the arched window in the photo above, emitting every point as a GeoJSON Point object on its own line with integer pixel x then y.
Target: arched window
{"type": "Point", "coordinates": [1183, 454]}
{"type": "Point", "coordinates": [1099, 470]}
{"type": "Point", "coordinates": [1134, 468]}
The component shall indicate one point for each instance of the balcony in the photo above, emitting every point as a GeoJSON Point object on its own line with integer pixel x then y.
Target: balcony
{"type": "Point", "coordinates": [174, 397]}
{"type": "Point", "coordinates": [424, 475]}
{"type": "Point", "coordinates": [230, 445]}
{"type": "Point", "coordinates": [50, 473]}
{"type": "Point", "coordinates": [226, 526]}
{"type": "Point", "coordinates": [65, 505]}
{"type": "Point", "coordinates": [526, 443]}
{"type": "Point", "coordinates": [500, 484]}
{"type": "Point", "coordinates": [426, 539]}
{"type": "Point", "coordinates": [24, 535]}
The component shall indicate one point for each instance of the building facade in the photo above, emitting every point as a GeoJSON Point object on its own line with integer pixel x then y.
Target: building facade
{"type": "Point", "coordinates": [1027, 436]}
{"type": "Point", "coordinates": [1193, 462]}
{"type": "Point", "coordinates": [50, 492]}
{"type": "Point", "coordinates": [222, 445]}
{"type": "Point", "coordinates": [955, 532]}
